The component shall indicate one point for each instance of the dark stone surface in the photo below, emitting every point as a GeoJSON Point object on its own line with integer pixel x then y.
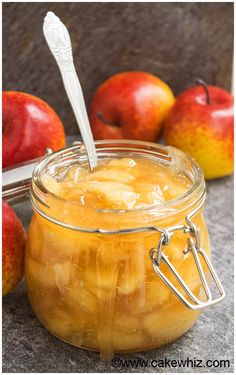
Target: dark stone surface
{"type": "Point", "coordinates": [28, 347]}
{"type": "Point", "coordinates": [176, 41]}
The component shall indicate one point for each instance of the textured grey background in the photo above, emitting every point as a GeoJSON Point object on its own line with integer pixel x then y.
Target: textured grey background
{"type": "Point", "coordinates": [176, 41]}
{"type": "Point", "coordinates": [28, 347]}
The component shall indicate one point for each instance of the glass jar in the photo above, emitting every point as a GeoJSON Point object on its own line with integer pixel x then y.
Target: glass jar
{"type": "Point", "coordinates": [103, 279]}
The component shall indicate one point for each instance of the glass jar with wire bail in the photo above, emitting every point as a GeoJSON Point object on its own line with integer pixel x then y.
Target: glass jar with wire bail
{"type": "Point", "coordinates": [118, 259]}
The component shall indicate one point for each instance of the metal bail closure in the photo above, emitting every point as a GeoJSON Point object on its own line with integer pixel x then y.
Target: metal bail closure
{"type": "Point", "coordinates": [157, 256]}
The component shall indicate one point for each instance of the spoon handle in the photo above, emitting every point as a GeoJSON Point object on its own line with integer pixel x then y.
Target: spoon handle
{"type": "Point", "coordinates": [59, 43]}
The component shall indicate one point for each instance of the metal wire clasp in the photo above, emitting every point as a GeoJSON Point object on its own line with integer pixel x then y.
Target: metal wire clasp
{"type": "Point", "coordinates": [157, 256]}
{"type": "Point", "coordinates": [156, 253]}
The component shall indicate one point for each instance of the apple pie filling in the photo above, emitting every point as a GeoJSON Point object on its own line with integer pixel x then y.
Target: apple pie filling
{"type": "Point", "coordinates": [99, 291]}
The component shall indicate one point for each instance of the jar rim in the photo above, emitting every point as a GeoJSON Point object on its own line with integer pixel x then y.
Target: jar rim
{"type": "Point", "coordinates": [166, 153]}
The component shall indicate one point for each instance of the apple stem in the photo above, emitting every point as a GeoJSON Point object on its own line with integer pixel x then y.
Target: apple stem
{"type": "Point", "coordinates": [108, 122]}
{"type": "Point", "coordinates": [204, 85]}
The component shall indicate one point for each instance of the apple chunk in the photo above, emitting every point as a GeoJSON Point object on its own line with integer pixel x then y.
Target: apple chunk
{"type": "Point", "coordinates": [118, 194]}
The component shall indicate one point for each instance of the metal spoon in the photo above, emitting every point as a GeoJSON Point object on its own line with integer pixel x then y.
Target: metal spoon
{"type": "Point", "coordinates": [59, 43]}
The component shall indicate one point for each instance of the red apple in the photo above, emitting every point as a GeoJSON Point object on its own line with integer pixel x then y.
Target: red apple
{"type": "Point", "coordinates": [13, 249]}
{"type": "Point", "coordinates": [201, 123]}
{"type": "Point", "coordinates": [30, 125]}
{"type": "Point", "coordinates": [130, 105]}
